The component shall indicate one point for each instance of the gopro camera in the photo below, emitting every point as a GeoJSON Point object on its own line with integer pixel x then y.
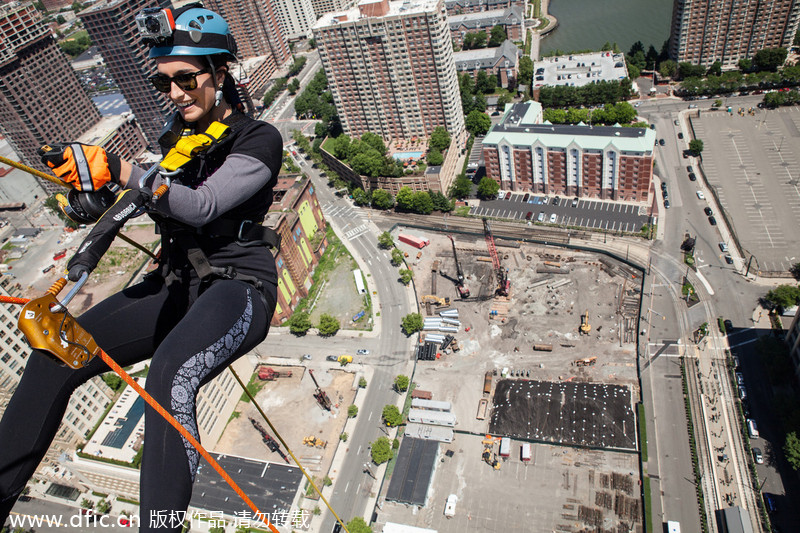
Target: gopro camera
{"type": "Point", "coordinates": [155, 23]}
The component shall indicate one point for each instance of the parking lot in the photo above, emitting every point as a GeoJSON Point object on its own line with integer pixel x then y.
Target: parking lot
{"type": "Point", "coordinates": [751, 162]}
{"type": "Point", "coordinates": [583, 212]}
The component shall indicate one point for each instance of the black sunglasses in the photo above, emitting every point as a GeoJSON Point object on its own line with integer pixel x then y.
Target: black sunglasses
{"type": "Point", "coordinates": [186, 81]}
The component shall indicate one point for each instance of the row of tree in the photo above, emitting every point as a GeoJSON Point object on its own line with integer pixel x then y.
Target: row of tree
{"type": "Point", "coordinates": [733, 81]}
{"type": "Point", "coordinates": [610, 114]}
{"type": "Point", "coordinates": [316, 102]}
{"type": "Point", "coordinates": [600, 93]}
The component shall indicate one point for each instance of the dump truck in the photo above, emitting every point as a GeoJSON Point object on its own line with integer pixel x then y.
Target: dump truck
{"type": "Point", "coordinates": [266, 373]}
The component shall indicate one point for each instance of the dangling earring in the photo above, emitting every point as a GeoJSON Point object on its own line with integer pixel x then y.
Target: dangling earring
{"type": "Point", "coordinates": [218, 96]}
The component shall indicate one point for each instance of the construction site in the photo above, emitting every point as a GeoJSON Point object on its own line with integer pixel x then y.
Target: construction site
{"type": "Point", "coordinates": [534, 347]}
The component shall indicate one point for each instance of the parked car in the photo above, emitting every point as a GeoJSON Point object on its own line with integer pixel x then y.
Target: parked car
{"type": "Point", "coordinates": [556, 200]}
{"type": "Point", "coordinates": [740, 378]}
{"type": "Point", "coordinates": [666, 204]}
{"type": "Point", "coordinates": [306, 356]}
{"type": "Point", "coordinates": [675, 121]}
{"type": "Point", "coordinates": [728, 259]}
{"type": "Point", "coordinates": [680, 135]}
{"type": "Point", "coordinates": [662, 142]}
{"type": "Point", "coordinates": [708, 211]}
{"type": "Point", "coordinates": [553, 218]}
{"type": "Point", "coordinates": [770, 502]}
{"type": "Point", "coordinates": [362, 351]}
{"type": "Point", "coordinates": [757, 456]}
{"type": "Point", "coordinates": [529, 215]}
{"type": "Point", "coordinates": [692, 176]}
{"type": "Point", "coordinates": [663, 185]}
{"type": "Point", "coordinates": [575, 202]}
{"type": "Point", "coordinates": [742, 393]}
{"type": "Point", "coordinates": [45, 270]}
{"type": "Point", "coordinates": [664, 194]}
{"type": "Point", "coordinates": [540, 218]}
{"type": "Point", "coordinates": [723, 247]}
{"type": "Point", "coordinates": [728, 325]}
{"type": "Point", "coordinates": [712, 221]}
{"type": "Point", "coordinates": [525, 198]}
{"type": "Point", "coordinates": [700, 195]}
{"type": "Point", "coordinates": [689, 168]}
{"type": "Point", "coordinates": [332, 358]}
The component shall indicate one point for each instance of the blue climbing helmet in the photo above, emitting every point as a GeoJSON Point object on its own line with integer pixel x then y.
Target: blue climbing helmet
{"type": "Point", "coordinates": [191, 30]}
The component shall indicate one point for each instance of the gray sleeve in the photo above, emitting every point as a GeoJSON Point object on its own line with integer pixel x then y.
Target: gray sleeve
{"type": "Point", "coordinates": [239, 177]}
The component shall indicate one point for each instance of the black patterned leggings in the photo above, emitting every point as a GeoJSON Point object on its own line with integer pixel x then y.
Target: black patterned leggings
{"type": "Point", "coordinates": [188, 347]}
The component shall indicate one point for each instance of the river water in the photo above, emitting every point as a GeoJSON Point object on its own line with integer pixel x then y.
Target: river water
{"type": "Point", "coordinates": [588, 24]}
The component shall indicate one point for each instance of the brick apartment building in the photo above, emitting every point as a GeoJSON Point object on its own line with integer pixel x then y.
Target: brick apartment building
{"type": "Point", "coordinates": [390, 68]}
{"type": "Point", "coordinates": [112, 27]}
{"type": "Point", "coordinates": [510, 18]}
{"type": "Point", "coordinates": [606, 162]}
{"type": "Point", "coordinates": [297, 217]}
{"type": "Point", "coordinates": [41, 97]}
{"type": "Point", "coordinates": [704, 31]}
{"type": "Point", "coordinates": [255, 26]}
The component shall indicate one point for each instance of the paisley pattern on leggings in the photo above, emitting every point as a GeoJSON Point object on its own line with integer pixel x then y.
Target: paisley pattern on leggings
{"type": "Point", "coordinates": [195, 369]}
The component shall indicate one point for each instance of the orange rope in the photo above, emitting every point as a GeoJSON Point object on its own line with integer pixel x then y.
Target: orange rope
{"type": "Point", "coordinates": [167, 416]}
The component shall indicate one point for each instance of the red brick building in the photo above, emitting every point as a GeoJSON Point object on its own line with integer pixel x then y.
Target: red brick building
{"type": "Point", "coordinates": [605, 162]}
{"type": "Point", "coordinates": [297, 217]}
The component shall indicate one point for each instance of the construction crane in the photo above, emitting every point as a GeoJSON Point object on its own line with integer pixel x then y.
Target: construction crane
{"type": "Point", "coordinates": [503, 285]}
{"type": "Point", "coordinates": [462, 290]}
{"type": "Point", "coordinates": [268, 440]}
{"type": "Point", "coordinates": [319, 394]}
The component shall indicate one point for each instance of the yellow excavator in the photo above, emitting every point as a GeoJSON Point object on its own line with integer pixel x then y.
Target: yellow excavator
{"type": "Point", "coordinates": [585, 326]}
{"type": "Point", "coordinates": [435, 300]}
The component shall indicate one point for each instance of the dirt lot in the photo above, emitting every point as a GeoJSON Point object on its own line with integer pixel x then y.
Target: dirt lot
{"type": "Point", "coordinates": [283, 400]}
{"type": "Point", "coordinates": [551, 288]}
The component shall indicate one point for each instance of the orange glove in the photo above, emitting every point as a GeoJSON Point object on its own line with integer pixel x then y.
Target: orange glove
{"type": "Point", "coordinates": [85, 167]}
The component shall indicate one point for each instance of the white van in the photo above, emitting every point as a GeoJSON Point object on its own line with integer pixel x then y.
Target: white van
{"type": "Point", "coordinates": [450, 506]}
{"type": "Point", "coordinates": [752, 429]}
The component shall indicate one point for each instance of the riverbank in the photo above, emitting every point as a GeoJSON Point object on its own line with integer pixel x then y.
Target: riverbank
{"type": "Point", "coordinates": [546, 24]}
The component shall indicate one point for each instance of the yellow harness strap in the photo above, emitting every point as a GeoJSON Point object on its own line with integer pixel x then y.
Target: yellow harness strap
{"type": "Point", "coordinates": [188, 147]}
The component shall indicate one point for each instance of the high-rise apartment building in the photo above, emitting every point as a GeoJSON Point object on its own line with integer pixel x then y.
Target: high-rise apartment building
{"type": "Point", "coordinates": [705, 31]}
{"type": "Point", "coordinates": [328, 6]}
{"type": "Point", "coordinates": [295, 17]}
{"type": "Point", "coordinates": [41, 98]}
{"type": "Point", "coordinates": [86, 405]}
{"type": "Point", "coordinates": [112, 27]}
{"type": "Point", "coordinates": [390, 68]}
{"type": "Point", "coordinates": [254, 24]}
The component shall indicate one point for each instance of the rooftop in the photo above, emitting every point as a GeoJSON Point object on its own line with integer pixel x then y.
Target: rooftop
{"type": "Point", "coordinates": [120, 432]}
{"type": "Point", "coordinates": [579, 69]}
{"type": "Point", "coordinates": [399, 7]}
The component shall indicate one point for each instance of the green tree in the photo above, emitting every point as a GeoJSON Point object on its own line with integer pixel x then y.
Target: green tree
{"type": "Point", "coordinates": [361, 197]}
{"type": "Point", "coordinates": [405, 276]}
{"type": "Point", "coordinates": [488, 188]}
{"type": "Point", "coordinates": [401, 383]}
{"type": "Point", "coordinates": [421, 203]}
{"type": "Point", "coordinates": [382, 199]}
{"type": "Point", "coordinates": [328, 325]}
{"type": "Point", "coordinates": [667, 68]}
{"type": "Point", "coordinates": [293, 86]}
{"type": "Point", "coordinates": [461, 187]}
{"type": "Point", "coordinates": [502, 100]}
{"type": "Point", "coordinates": [404, 198]}
{"type": "Point", "coordinates": [651, 57]}
{"type": "Point", "coordinates": [60, 19]}
{"type": "Point", "coordinates": [484, 83]}
{"type": "Point", "coordinates": [113, 381]}
{"type": "Point", "coordinates": [342, 437]}
{"type": "Point", "coordinates": [385, 240]}
{"type": "Point", "coordinates": [696, 147]}
{"type": "Point", "coordinates": [299, 323]}
{"type": "Point", "coordinates": [435, 157]}
{"type": "Point", "coordinates": [397, 257]}
{"type": "Point", "coordinates": [478, 123]}
{"type": "Point", "coordinates": [358, 525]}
{"type": "Point", "coordinates": [769, 59]}
{"type": "Point", "coordinates": [103, 506]}
{"type": "Point", "coordinates": [362, 382]}
{"type": "Point", "coordinates": [312, 43]}
{"type": "Point", "coordinates": [369, 163]}
{"type": "Point", "coordinates": [784, 296]}
{"type": "Point", "coordinates": [688, 70]}
{"type": "Point", "coordinates": [391, 415]}
{"type": "Point", "coordinates": [352, 411]}
{"type": "Point", "coordinates": [525, 69]}
{"type": "Point", "coordinates": [795, 270]}
{"type": "Point", "coordinates": [440, 202]}
{"type": "Point", "coordinates": [381, 450]}
{"type": "Point", "coordinates": [792, 450]}
{"type": "Point", "coordinates": [440, 139]}
{"type": "Point", "coordinates": [374, 141]}
{"type": "Point", "coordinates": [87, 504]}
{"type": "Point", "coordinates": [498, 36]}
{"type": "Point", "coordinates": [411, 323]}
{"type": "Point", "coordinates": [715, 69]}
